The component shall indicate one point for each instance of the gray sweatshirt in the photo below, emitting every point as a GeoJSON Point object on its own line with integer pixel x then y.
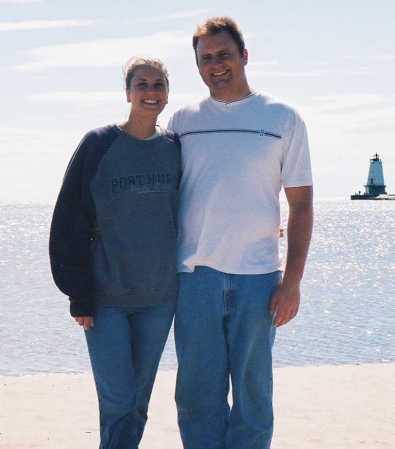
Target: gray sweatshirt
{"type": "Point", "coordinates": [113, 233]}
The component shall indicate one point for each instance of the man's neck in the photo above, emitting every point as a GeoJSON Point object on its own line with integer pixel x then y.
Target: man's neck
{"type": "Point", "coordinates": [228, 96]}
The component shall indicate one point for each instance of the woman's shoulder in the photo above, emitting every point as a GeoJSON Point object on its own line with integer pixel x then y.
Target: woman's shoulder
{"type": "Point", "coordinates": [97, 140]}
{"type": "Point", "coordinates": [170, 136]}
{"type": "Point", "coordinates": [94, 144]}
{"type": "Point", "coordinates": [103, 133]}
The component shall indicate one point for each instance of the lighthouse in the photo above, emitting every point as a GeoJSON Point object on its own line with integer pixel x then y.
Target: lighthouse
{"type": "Point", "coordinates": [375, 185]}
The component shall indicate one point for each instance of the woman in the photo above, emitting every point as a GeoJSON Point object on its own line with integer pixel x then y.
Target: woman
{"type": "Point", "coordinates": [112, 250]}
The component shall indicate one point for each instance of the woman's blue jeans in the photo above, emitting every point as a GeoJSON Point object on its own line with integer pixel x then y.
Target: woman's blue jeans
{"type": "Point", "coordinates": [223, 330]}
{"type": "Point", "coordinates": [125, 346]}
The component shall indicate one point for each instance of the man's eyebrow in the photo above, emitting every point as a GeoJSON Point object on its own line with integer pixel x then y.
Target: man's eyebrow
{"type": "Point", "coordinates": [225, 49]}
{"type": "Point", "coordinates": [145, 79]}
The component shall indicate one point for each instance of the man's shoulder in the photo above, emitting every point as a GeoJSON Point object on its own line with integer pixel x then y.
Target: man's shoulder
{"type": "Point", "coordinates": [279, 112]}
{"type": "Point", "coordinates": [188, 115]}
{"type": "Point", "coordinates": [276, 105]}
{"type": "Point", "coordinates": [192, 109]}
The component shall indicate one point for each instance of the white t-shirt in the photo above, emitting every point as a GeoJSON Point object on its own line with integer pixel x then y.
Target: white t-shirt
{"type": "Point", "coordinates": [236, 157]}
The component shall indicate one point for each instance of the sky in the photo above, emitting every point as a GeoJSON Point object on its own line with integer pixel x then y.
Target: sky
{"type": "Point", "coordinates": [61, 75]}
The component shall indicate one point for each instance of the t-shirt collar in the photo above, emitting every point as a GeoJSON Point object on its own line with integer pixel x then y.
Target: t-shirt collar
{"type": "Point", "coordinates": [228, 104]}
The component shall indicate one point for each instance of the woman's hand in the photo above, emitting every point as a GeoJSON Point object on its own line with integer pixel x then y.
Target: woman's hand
{"type": "Point", "coordinates": [85, 321]}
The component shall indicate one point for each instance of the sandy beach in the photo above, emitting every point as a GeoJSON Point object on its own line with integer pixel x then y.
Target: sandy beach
{"type": "Point", "coordinates": [328, 407]}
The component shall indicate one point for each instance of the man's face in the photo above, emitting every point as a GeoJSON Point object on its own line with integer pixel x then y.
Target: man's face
{"type": "Point", "coordinates": [221, 65]}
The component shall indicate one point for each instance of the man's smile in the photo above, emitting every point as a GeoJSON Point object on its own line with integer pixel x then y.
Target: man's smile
{"type": "Point", "coordinates": [220, 73]}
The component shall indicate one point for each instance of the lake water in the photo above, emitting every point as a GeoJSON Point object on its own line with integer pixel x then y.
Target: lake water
{"type": "Point", "coordinates": [347, 313]}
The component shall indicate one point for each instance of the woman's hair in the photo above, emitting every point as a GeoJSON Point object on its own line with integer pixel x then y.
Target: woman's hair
{"type": "Point", "coordinates": [216, 25]}
{"type": "Point", "coordinates": [134, 63]}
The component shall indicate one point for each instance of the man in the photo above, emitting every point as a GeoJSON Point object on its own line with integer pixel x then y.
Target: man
{"type": "Point", "coordinates": [239, 148]}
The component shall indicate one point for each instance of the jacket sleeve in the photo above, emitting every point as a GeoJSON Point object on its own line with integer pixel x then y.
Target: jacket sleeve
{"type": "Point", "coordinates": [71, 234]}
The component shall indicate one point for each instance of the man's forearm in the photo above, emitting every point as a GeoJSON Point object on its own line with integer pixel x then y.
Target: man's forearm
{"type": "Point", "coordinates": [300, 225]}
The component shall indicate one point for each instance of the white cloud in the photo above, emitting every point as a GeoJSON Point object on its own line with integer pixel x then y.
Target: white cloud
{"type": "Point", "coordinates": [107, 52]}
{"type": "Point", "coordinates": [376, 121]}
{"type": "Point", "coordinates": [174, 16]}
{"type": "Point", "coordinates": [350, 114]}
{"type": "Point", "coordinates": [361, 108]}
{"type": "Point", "coordinates": [385, 58]}
{"type": "Point", "coordinates": [79, 97]}
{"type": "Point", "coordinates": [285, 74]}
{"type": "Point", "coordinates": [258, 64]}
{"type": "Point", "coordinates": [347, 102]}
{"type": "Point", "coordinates": [20, 2]}
{"type": "Point", "coordinates": [321, 68]}
{"type": "Point", "coordinates": [20, 140]}
{"type": "Point", "coordinates": [43, 24]}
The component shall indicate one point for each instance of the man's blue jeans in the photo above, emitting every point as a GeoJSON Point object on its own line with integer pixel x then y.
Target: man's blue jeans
{"type": "Point", "coordinates": [125, 346]}
{"type": "Point", "coordinates": [223, 329]}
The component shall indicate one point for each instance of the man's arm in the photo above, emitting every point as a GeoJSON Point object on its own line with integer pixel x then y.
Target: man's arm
{"type": "Point", "coordinates": [286, 299]}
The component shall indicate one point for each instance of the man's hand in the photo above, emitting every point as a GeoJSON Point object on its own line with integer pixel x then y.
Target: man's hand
{"type": "Point", "coordinates": [285, 303]}
{"type": "Point", "coordinates": [85, 321]}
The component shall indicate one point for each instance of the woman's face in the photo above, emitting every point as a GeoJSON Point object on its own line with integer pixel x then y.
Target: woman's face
{"type": "Point", "coordinates": [148, 91]}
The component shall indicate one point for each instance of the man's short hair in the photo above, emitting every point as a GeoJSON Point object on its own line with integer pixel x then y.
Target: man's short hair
{"type": "Point", "coordinates": [215, 25]}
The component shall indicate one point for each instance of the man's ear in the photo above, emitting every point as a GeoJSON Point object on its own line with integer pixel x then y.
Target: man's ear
{"type": "Point", "coordinates": [127, 92]}
{"type": "Point", "coordinates": [245, 56]}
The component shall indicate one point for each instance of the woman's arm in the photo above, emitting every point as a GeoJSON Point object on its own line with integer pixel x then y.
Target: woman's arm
{"type": "Point", "coordinates": [71, 234]}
